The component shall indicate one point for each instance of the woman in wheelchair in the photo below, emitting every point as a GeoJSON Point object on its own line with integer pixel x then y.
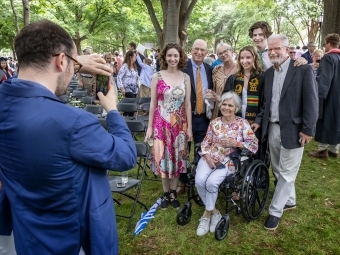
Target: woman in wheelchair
{"type": "Point", "coordinates": [224, 135]}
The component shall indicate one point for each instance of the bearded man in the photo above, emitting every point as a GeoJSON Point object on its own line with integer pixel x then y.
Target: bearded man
{"type": "Point", "coordinates": [288, 118]}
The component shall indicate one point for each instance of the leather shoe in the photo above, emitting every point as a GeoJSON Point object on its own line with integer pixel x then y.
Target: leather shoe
{"type": "Point", "coordinates": [180, 189]}
{"type": "Point", "coordinates": [332, 154]}
{"type": "Point", "coordinates": [319, 154]}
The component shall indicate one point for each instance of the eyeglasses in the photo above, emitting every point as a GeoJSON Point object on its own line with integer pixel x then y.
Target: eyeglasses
{"type": "Point", "coordinates": [276, 49]}
{"type": "Point", "coordinates": [199, 49]}
{"type": "Point", "coordinates": [223, 52]}
{"type": "Point", "coordinates": [74, 60]}
{"type": "Point", "coordinates": [291, 52]}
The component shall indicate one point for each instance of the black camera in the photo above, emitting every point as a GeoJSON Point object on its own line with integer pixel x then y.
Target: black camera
{"type": "Point", "coordinates": [318, 61]}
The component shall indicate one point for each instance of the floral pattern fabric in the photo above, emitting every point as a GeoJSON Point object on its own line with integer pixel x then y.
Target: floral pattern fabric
{"type": "Point", "coordinates": [128, 79]}
{"type": "Point", "coordinates": [169, 152]}
{"type": "Point", "coordinates": [239, 130]}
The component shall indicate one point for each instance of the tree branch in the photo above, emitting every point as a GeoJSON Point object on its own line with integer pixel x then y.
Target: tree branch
{"type": "Point", "coordinates": [297, 31]}
{"type": "Point", "coordinates": [15, 17]}
{"type": "Point", "coordinates": [153, 17]}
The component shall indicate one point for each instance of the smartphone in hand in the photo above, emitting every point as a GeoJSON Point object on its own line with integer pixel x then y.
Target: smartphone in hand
{"type": "Point", "coordinates": [102, 84]}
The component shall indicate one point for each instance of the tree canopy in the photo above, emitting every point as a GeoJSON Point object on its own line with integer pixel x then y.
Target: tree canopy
{"type": "Point", "coordinates": [109, 25]}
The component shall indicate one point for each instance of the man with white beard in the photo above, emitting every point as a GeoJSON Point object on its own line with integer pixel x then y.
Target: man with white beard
{"type": "Point", "coordinates": [288, 117]}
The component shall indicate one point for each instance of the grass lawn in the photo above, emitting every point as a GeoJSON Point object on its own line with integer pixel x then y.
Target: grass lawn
{"type": "Point", "coordinates": [312, 228]}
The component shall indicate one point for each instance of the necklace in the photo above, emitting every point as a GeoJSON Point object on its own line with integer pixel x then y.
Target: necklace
{"type": "Point", "coordinates": [227, 75]}
{"type": "Point", "coordinates": [248, 76]}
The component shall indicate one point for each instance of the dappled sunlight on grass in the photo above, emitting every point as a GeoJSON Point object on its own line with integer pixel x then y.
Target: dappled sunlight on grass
{"type": "Point", "coordinates": [312, 228]}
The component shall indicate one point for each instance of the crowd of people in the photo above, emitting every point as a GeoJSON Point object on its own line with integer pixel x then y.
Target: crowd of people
{"type": "Point", "coordinates": [269, 98]}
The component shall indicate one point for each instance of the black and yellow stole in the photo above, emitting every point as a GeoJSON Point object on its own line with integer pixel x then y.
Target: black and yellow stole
{"type": "Point", "coordinates": [252, 96]}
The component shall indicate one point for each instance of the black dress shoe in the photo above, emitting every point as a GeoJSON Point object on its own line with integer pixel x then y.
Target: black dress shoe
{"type": "Point", "coordinates": [289, 207]}
{"type": "Point", "coordinates": [272, 222]}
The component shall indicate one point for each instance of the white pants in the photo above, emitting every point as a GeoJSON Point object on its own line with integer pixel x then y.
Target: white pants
{"type": "Point", "coordinates": [332, 148]}
{"type": "Point", "coordinates": [7, 245]}
{"type": "Point", "coordinates": [285, 164]}
{"type": "Point", "coordinates": [207, 182]}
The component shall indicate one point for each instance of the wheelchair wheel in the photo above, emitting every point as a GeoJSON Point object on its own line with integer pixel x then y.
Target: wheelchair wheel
{"type": "Point", "coordinates": [184, 214]}
{"type": "Point", "coordinates": [254, 191]}
{"type": "Point", "coordinates": [222, 227]}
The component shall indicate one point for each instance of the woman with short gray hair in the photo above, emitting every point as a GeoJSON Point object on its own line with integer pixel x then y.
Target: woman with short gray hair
{"type": "Point", "coordinates": [225, 134]}
{"type": "Point", "coordinates": [221, 72]}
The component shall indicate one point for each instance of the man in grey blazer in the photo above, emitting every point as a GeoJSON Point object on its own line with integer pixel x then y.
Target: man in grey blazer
{"type": "Point", "coordinates": [288, 117]}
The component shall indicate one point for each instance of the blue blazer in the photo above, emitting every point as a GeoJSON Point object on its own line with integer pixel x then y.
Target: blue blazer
{"type": "Point", "coordinates": [53, 170]}
{"type": "Point", "coordinates": [308, 57]}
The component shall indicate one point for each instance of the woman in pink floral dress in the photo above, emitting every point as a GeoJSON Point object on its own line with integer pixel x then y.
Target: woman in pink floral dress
{"type": "Point", "coordinates": [170, 121]}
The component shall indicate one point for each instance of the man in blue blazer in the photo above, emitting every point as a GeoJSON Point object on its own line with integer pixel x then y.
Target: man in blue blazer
{"type": "Point", "coordinates": [308, 55]}
{"type": "Point", "coordinates": [200, 122]}
{"type": "Point", "coordinates": [54, 156]}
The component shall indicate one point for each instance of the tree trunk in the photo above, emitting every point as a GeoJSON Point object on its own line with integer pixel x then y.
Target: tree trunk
{"type": "Point", "coordinates": [77, 41]}
{"type": "Point", "coordinates": [331, 21]}
{"type": "Point", "coordinates": [171, 35]}
{"type": "Point", "coordinates": [26, 6]}
{"type": "Point", "coordinates": [176, 14]}
{"type": "Point", "coordinates": [312, 31]}
{"type": "Point", "coordinates": [15, 17]}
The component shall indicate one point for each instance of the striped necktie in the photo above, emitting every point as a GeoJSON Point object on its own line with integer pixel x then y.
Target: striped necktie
{"type": "Point", "coordinates": [199, 92]}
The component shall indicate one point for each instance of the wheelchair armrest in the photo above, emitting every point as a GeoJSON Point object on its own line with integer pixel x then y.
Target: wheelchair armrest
{"type": "Point", "coordinates": [246, 153]}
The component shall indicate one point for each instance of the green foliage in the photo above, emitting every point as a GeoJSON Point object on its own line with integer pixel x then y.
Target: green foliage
{"type": "Point", "coordinates": [108, 25]}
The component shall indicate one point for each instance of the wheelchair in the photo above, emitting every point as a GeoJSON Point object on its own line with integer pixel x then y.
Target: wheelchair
{"type": "Point", "coordinates": [250, 180]}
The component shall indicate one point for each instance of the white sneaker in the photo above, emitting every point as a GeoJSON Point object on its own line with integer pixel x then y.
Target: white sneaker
{"type": "Point", "coordinates": [203, 227]}
{"type": "Point", "coordinates": [215, 218]}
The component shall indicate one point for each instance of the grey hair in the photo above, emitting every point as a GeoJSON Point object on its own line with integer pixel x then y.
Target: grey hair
{"type": "Point", "coordinates": [234, 96]}
{"type": "Point", "coordinates": [223, 44]}
{"type": "Point", "coordinates": [282, 37]}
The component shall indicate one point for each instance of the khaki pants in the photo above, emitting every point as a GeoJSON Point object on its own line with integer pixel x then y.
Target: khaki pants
{"type": "Point", "coordinates": [89, 83]}
{"type": "Point", "coordinates": [285, 164]}
{"type": "Point", "coordinates": [144, 91]}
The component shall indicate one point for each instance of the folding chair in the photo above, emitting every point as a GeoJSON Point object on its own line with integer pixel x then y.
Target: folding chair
{"type": "Point", "coordinates": [128, 108]}
{"type": "Point", "coordinates": [145, 109]}
{"type": "Point", "coordinates": [87, 100]}
{"type": "Point", "coordinates": [95, 109]}
{"type": "Point", "coordinates": [136, 126]}
{"type": "Point", "coordinates": [143, 152]}
{"type": "Point", "coordinates": [139, 126]}
{"type": "Point", "coordinates": [64, 98]}
{"type": "Point", "coordinates": [143, 100]}
{"type": "Point", "coordinates": [80, 89]}
{"type": "Point", "coordinates": [129, 100]}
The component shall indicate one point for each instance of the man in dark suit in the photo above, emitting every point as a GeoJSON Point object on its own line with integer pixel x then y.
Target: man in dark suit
{"type": "Point", "coordinates": [308, 55]}
{"type": "Point", "coordinates": [202, 72]}
{"type": "Point", "coordinates": [288, 117]}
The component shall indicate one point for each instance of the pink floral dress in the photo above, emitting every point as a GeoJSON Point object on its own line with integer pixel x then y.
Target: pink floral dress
{"type": "Point", "coordinates": [169, 152]}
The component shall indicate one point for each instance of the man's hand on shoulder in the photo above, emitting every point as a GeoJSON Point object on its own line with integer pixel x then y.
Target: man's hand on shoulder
{"type": "Point", "coordinates": [300, 61]}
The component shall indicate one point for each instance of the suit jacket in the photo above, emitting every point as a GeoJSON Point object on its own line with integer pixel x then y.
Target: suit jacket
{"type": "Point", "coordinates": [308, 57]}
{"type": "Point", "coordinates": [188, 70]}
{"type": "Point", "coordinates": [298, 106]}
{"type": "Point", "coordinates": [53, 168]}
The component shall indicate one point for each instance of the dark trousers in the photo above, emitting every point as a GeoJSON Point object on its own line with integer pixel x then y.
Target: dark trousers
{"type": "Point", "coordinates": [129, 95]}
{"type": "Point", "coordinates": [200, 125]}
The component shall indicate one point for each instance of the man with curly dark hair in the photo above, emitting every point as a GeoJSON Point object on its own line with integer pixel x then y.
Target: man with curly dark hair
{"type": "Point", "coordinates": [259, 33]}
